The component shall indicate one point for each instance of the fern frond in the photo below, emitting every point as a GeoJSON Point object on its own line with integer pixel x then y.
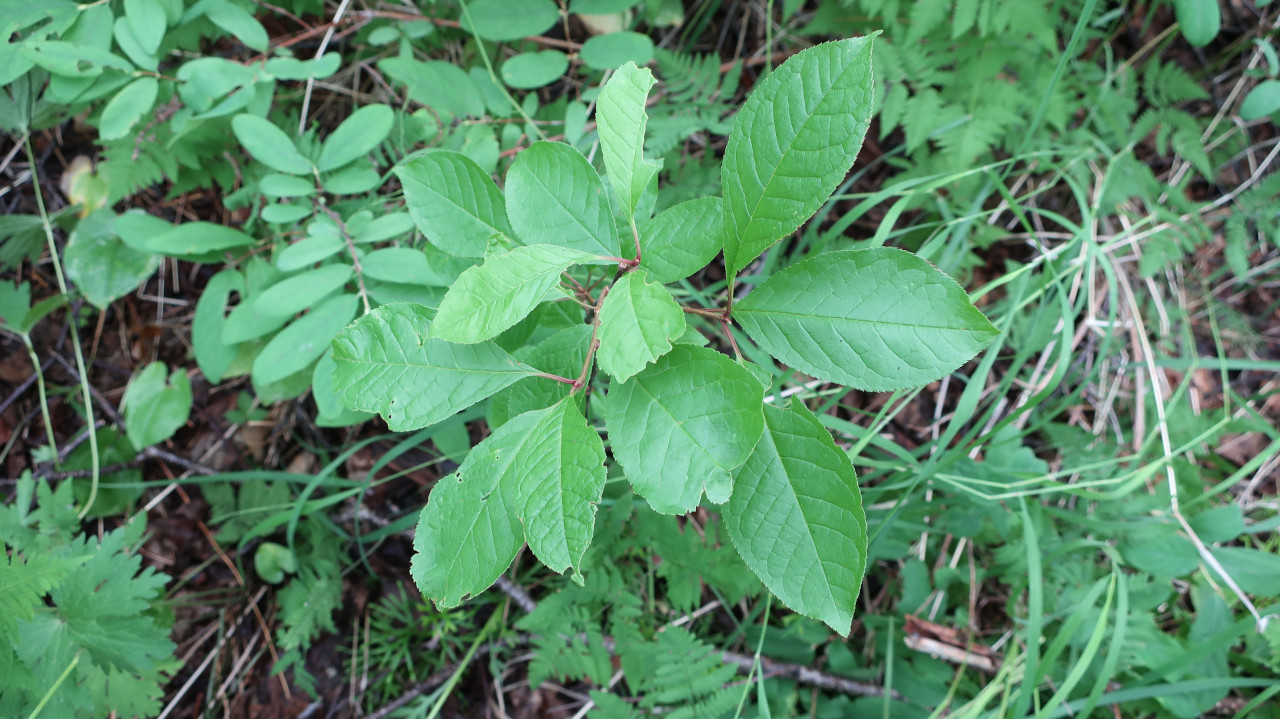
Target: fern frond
{"type": "Point", "coordinates": [307, 605]}
{"type": "Point", "coordinates": [675, 672]}
{"type": "Point", "coordinates": [696, 99]}
{"type": "Point", "coordinates": [1166, 84]}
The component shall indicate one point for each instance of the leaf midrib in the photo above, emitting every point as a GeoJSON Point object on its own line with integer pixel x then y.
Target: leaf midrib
{"type": "Point", "coordinates": [856, 320]}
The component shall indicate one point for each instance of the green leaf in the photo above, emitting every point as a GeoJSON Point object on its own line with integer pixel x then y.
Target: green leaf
{"type": "Point", "coordinates": [453, 202]}
{"type": "Point", "coordinates": [1262, 100]}
{"type": "Point", "coordinates": [212, 354]}
{"type": "Point", "coordinates": [284, 213]}
{"type": "Point", "coordinates": [1199, 20]}
{"type": "Point", "coordinates": [555, 479]}
{"type": "Point", "coordinates": [682, 239]}
{"type": "Point", "coordinates": [555, 197]}
{"type": "Point", "coordinates": [281, 185]}
{"type": "Point", "coordinates": [532, 70]}
{"type": "Point", "coordinates": [796, 517]}
{"type": "Point", "coordinates": [329, 407]}
{"type": "Point", "coordinates": [1256, 571]}
{"type": "Point", "coordinates": [442, 86]}
{"type": "Point", "coordinates": [605, 52]}
{"type": "Point", "coordinates": [101, 265]}
{"type": "Point", "coordinates": [468, 533]}
{"type": "Point", "coordinates": [504, 21]}
{"type": "Point", "coordinates": [291, 68]}
{"type": "Point", "coordinates": [538, 476]}
{"type": "Point", "coordinates": [878, 320]}
{"type": "Point", "coordinates": [384, 227]}
{"type": "Point", "coordinates": [131, 47]}
{"type": "Point", "coordinates": [288, 297]}
{"type": "Point", "coordinates": [358, 135]}
{"type": "Point", "coordinates": [304, 340]}
{"type": "Point", "coordinates": [489, 298]}
{"type": "Point", "coordinates": [563, 354]}
{"type": "Point", "coordinates": [147, 22]}
{"type": "Point", "coordinates": [196, 238]}
{"type": "Point", "coordinates": [386, 363]}
{"type": "Point", "coordinates": [621, 119]}
{"type": "Point", "coordinates": [353, 180]}
{"type": "Point", "coordinates": [154, 409]}
{"type": "Point", "coordinates": [792, 143]}
{"type": "Point", "coordinates": [127, 107]}
{"type": "Point", "coordinates": [398, 264]}
{"type": "Point", "coordinates": [269, 144]}
{"type": "Point", "coordinates": [638, 321]}
{"type": "Point", "coordinates": [237, 21]}
{"type": "Point", "coordinates": [67, 59]}
{"type": "Point", "coordinates": [681, 426]}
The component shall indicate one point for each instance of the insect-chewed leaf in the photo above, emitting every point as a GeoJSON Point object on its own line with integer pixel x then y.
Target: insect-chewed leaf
{"type": "Point", "coordinates": [796, 517]}
{"type": "Point", "coordinates": [792, 143]}
{"type": "Point", "coordinates": [489, 298]}
{"type": "Point", "coordinates": [682, 425]}
{"type": "Point", "coordinates": [453, 201]}
{"type": "Point", "coordinates": [879, 319]}
{"type": "Point", "coordinates": [543, 471]}
{"type": "Point", "coordinates": [387, 364]}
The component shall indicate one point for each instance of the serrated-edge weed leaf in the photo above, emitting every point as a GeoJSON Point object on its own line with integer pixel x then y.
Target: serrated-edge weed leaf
{"type": "Point", "coordinates": [681, 426]}
{"type": "Point", "coordinates": [792, 143]}
{"type": "Point", "coordinates": [796, 517]}
{"type": "Point", "coordinates": [387, 363]}
{"type": "Point", "coordinates": [878, 319]}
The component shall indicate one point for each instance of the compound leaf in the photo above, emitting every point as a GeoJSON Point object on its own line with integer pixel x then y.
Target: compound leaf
{"type": "Point", "coordinates": [356, 136]}
{"type": "Point", "coordinates": [681, 426]}
{"type": "Point", "coordinates": [638, 321]}
{"type": "Point", "coordinates": [878, 320]}
{"type": "Point", "coordinates": [682, 239]}
{"type": "Point", "coordinates": [269, 144]}
{"type": "Point", "coordinates": [555, 197]}
{"type": "Point", "coordinates": [792, 143]}
{"type": "Point", "coordinates": [796, 517]}
{"type": "Point", "coordinates": [621, 119]}
{"type": "Point", "coordinates": [453, 201]}
{"type": "Point", "coordinates": [489, 298]}
{"type": "Point", "coordinates": [387, 363]}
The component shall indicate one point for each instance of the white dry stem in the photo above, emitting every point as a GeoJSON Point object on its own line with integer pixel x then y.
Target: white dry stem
{"type": "Point", "coordinates": [1160, 390]}
{"type": "Point", "coordinates": [311, 81]}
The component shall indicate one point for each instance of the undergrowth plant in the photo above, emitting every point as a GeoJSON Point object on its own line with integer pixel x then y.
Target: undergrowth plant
{"type": "Point", "coordinates": [573, 278]}
{"type": "Point", "coordinates": [79, 635]}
